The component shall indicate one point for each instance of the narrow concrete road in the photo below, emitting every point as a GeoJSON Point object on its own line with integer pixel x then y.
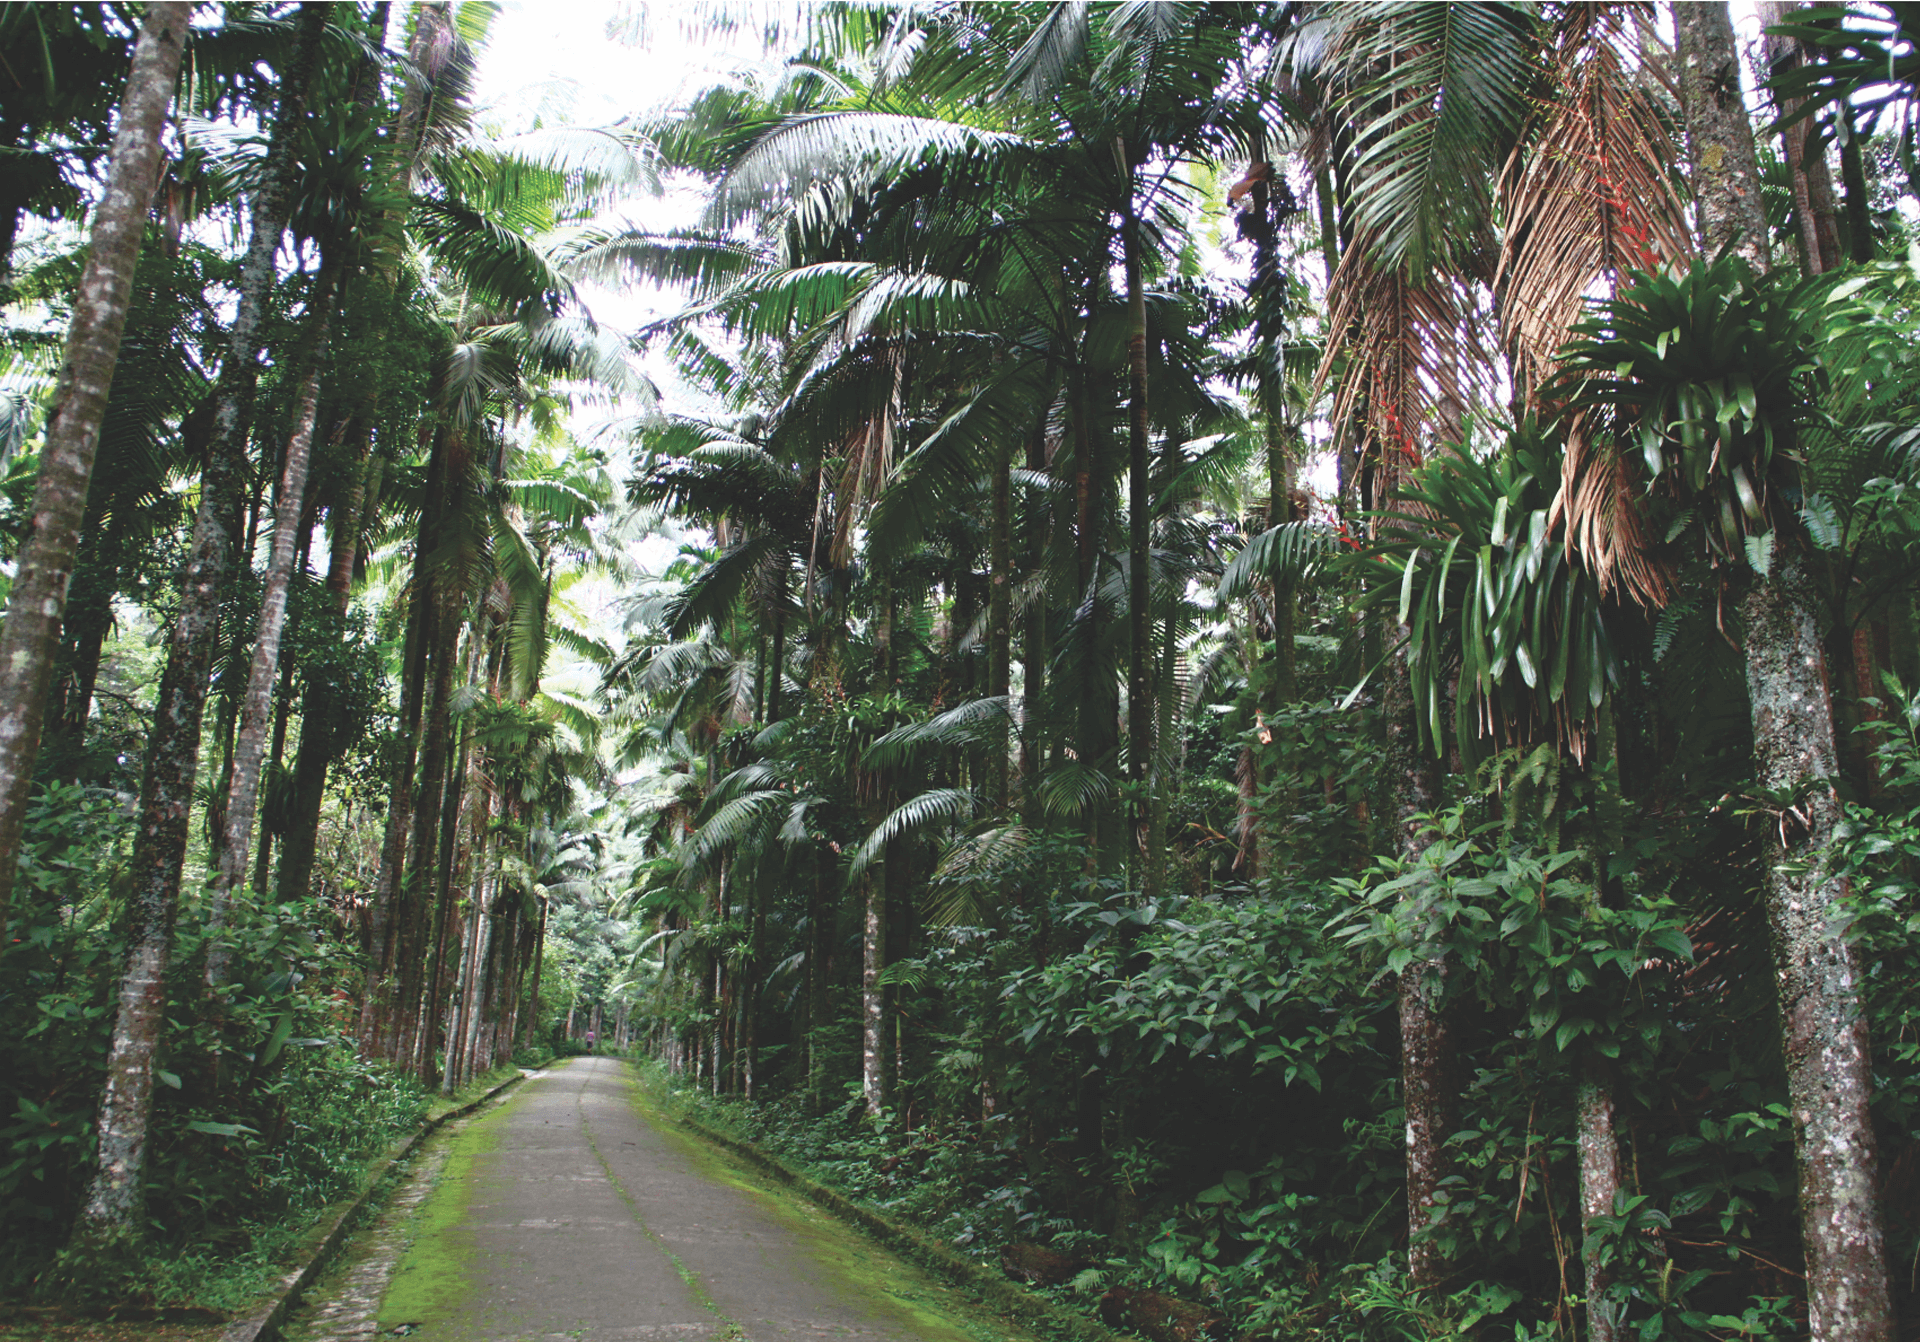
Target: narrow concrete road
{"type": "Point", "coordinates": [566, 1214]}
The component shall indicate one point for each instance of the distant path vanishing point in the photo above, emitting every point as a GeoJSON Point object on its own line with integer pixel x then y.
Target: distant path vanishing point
{"type": "Point", "coordinates": [566, 1214]}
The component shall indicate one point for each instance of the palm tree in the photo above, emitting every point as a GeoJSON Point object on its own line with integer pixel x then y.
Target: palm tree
{"type": "Point", "coordinates": [1718, 418]}
{"type": "Point", "coordinates": [1583, 192]}
{"type": "Point", "coordinates": [45, 565]}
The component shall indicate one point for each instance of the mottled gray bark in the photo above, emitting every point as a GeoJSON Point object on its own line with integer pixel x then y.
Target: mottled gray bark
{"type": "Point", "coordinates": [45, 562]}
{"type": "Point", "coordinates": [873, 996]}
{"type": "Point", "coordinates": [1000, 608]}
{"type": "Point", "coordinates": [1817, 971]}
{"type": "Point", "coordinates": [1720, 156]}
{"type": "Point", "coordinates": [112, 1207]}
{"type": "Point", "coordinates": [1599, 1181]}
{"type": "Point", "coordinates": [1427, 1093]}
{"type": "Point", "coordinates": [256, 716]}
{"type": "Point", "coordinates": [1427, 1081]}
{"type": "Point", "coordinates": [1823, 1032]}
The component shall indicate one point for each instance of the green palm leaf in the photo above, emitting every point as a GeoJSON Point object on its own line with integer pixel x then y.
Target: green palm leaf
{"type": "Point", "coordinates": [940, 806]}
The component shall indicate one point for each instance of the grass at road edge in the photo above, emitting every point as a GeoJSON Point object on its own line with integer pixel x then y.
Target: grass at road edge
{"type": "Point", "coordinates": [930, 1308]}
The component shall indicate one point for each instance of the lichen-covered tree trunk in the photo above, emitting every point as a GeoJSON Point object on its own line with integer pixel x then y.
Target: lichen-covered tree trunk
{"type": "Point", "coordinates": [44, 565]}
{"type": "Point", "coordinates": [112, 1206]}
{"type": "Point", "coordinates": [1720, 156]}
{"type": "Point", "coordinates": [873, 995]}
{"type": "Point", "coordinates": [1000, 607]}
{"type": "Point", "coordinates": [1599, 1182]}
{"type": "Point", "coordinates": [256, 716]}
{"type": "Point", "coordinates": [1816, 969]}
{"type": "Point", "coordinates": [1427, 1070]}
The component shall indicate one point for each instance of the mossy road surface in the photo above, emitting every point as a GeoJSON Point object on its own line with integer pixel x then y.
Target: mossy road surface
{"type": "Point", "coordinates": [573, 1212]}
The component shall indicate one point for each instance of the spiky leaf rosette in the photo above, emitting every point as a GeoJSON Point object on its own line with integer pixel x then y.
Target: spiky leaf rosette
{"type": "Point", "coordinates": [1699, 382]}
{"type": "Point", "coordinates": [1472, 564]}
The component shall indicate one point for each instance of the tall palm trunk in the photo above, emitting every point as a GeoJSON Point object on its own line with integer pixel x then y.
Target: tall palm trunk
{"type": "Point", "coordinates": [112, 1208]}
{"type": "Point", "coordinates": [319, 739]}
{"type": "Point", "coordinates": [1427, 1046]}
{"type": "Point", "coordinates": [1817, 970]}
{"type": "Point", "coordinates": [1034, 652]}
{"type": "Point", "coordinates": [1816, 230]}
{"type": "Point", "coordinates": [256, 718]}
{"type": "Point", "coordinates": [531, 1033]}
{"type": "Point", "coordinates": [1720, 157]}
{"type": "Point", "coordinates": [1140, 717]}
{"type": "Point", "coordinates": [818, 942]}
{"type": "Point", "coordinates": [44, 564]}
{"type": "Point", "coordinates": [1599, 1182]}
{"type": "Point", "coordinates": [1000, 608]}
{"type": "Point", "coordinates": [873, 995]}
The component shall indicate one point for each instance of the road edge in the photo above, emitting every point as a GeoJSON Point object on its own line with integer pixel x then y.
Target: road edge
{"type": "Point", "coordinates": [320, 1244]}
{"type": "Point", "coordinates": [1029, 1307]}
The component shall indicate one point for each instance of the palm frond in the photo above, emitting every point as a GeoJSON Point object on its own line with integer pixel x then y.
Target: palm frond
{"type": "Point", "coordinates": [940, 806]}
{"type": "Point", "coordinates": [1288, 555]}
{"type": "Point", "coordinates": [1437, 92]}
{"type": "Point", "coordinates": [495, 263]}
{"type": "Point", "coordinates": [1057, 44]}
{"type": "Point", "coordinates": [609, 254]}
{"type": "Point", "coordinates": [1592, 192]}
{"type": "Point", "coordinates": [875, 146]}
{"type": "Point", "coordinates": [975, 723]}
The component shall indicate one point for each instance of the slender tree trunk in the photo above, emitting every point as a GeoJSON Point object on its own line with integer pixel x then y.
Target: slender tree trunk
{"type": "Point", "coordinates": [1000, 610]}
{"type": "Point", "coordinates": [45, 561]}
{"type": "Point", "coordinates": [1818, 234]}
{"type": "Point", "coordinates": [243, 795]}
{"type": "Point", "coordinates": [83, 636]}
{"type": "Point", "coordinates": [1139, 530]}
{"type": "Point", "coordinates": [476, 993]}
{"type": "Point", "coordinates": [454, 859]}
{"type": "Point", "coordinates": [776, 673]}
{"type": "Point", "coordinates": [319, 741]}
{"type": "Point", "coordinates": [1428, 1080]}
{"type": "Point", "coordinates": [873, 996]}
{"type": "Point", "coordinates": [1853, 175]}
{"type": "Point", "coordinates": [1599, 1182]}
{"type": "Point", "coordinates": [465, 936]}
{"type": "Point", "coordinates": [1720, 156]}
{"type": "Point", "coordinates": [818, 941]}
{"type": "Point", "coordinates": [113, 1203]}
{"type": "Point", "coordinates": [1034, 653]}
{"type": "Point", "coordinates": [275, 762]}
{"type": "Point", "coordinates": [532, 1034]}
{"type": "Point", "coordinates": [1817, 970]}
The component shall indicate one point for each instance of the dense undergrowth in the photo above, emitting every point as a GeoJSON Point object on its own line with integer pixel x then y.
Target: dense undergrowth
{"type": "Point", "coordinates": [1201, 1097]}
{"type": "Point", "coordinates": [264, 1113]}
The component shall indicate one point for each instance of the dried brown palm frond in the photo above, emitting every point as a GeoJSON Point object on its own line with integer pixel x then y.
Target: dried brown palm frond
{"type": "Point", "coordinates": [1599, 505]}
{"type": "Point", "coordinates": [1415, 363]}
{"type": "Point", "coordinates": [869, 463]}
{"type": "Point", "coordinates": [1591, 192]}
